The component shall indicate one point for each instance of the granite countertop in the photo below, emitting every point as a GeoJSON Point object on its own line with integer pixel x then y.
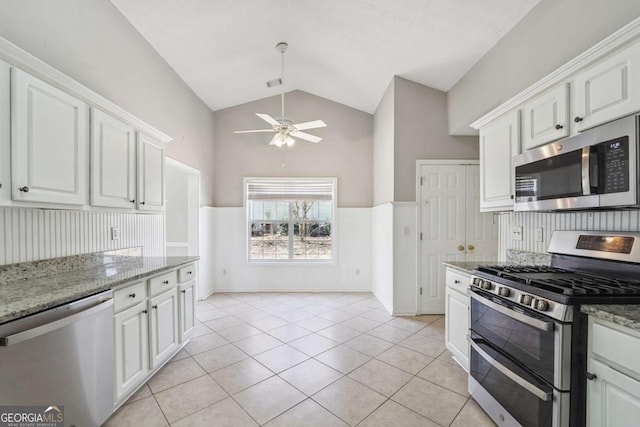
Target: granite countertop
{"type": "Point", "coordinates": [469, 266]}
{"type": "Point", "coordinates": [623, 314]}
{"type": "Point", "coordinates": [20, 298]}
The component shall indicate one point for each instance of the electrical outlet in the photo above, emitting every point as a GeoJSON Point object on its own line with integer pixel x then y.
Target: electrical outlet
{"type": "Point", "coordinates": [539, 234]}
{"type": "Point", "coordinates": [516, 233]}
{"type": "Point", "coordinates": [115, 233]}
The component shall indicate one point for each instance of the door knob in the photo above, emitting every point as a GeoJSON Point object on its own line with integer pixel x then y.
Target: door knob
{"type": "Point", "coordinates": [471, 247]}
{"type": "Point", "coordinates": [460, 248]}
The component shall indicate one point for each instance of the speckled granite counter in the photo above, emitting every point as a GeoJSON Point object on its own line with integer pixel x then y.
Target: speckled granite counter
{"type": "Point", "coordinates": [623, 314]}
{"type": "Point", "coordinates": [469, 266]}
{"type": "Point", "coordinates": [19, 298]}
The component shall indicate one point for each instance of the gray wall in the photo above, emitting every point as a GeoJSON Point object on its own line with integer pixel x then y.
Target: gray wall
{"type": "Point", "coordinates": [383, 140]}
{"type": "Point", "coordinates": [421, 133]}
{"type": "Point", "coordinates": [553, 33]}
{"type": "Point", "coordinates": [346, 151]}
{"type": "Point", "coordinates": [94, 44]}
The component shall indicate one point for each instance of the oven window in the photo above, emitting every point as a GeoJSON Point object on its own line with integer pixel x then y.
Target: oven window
{"type": "Point", "coordinates": [556, 177]}
{"type": "Point", "coordinates": [531, 346]}
{"type": "Point", "coordinates": [527, 408]}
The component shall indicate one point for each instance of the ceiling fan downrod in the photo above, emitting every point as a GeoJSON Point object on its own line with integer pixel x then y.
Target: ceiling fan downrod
{"type": "Point", "coordinates": [282, 48]}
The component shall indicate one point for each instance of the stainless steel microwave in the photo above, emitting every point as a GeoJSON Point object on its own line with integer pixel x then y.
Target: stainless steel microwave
{"type": "Point", "coordinates": [595, 169]}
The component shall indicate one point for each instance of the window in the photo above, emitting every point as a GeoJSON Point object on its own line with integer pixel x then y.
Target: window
{"type": "Point", "coordinates": [290, 219]}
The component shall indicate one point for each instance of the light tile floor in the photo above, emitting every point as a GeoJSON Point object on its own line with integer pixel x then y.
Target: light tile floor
{"type": "Point", "coordinates": [306, 359]}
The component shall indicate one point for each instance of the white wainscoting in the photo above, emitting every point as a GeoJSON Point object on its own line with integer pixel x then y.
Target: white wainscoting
{"type": "Point", "coordinates": [207, 264]}
{"type": "Point", "coordinates": [627, 220]}
{"type": "Point", "coordinates": [405, 254]}
{"type": "Point", "coordinates": [232, 272]}
{"type": "Point", "coordinates": [35, 234]}
{"type": "Point", "coordinates": [382, 254]}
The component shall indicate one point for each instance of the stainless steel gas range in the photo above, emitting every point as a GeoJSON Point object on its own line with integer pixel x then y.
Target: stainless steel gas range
{"type": "Point", "coordinates": [527, 335]}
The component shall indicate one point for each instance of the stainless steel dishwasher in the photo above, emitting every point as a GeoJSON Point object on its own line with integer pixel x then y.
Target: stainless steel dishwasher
{"type": "Point", "coordinates": [62, 356]}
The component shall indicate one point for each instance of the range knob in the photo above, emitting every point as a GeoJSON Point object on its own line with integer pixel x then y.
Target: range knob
{"type": "Point", "coordinates": [486, 285]}
{"type": "Point", "coordinates": [541, 305]}
{"type": "Point", "coordinates": [504, 292]}
{"type": "Point", "coordinates": [476, 281]}
{"type": "Point", "coordinates": [525, 299]}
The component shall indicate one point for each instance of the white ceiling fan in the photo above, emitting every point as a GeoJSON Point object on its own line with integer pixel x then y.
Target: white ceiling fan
{"type": "Point", "coordinates": [285, 128]}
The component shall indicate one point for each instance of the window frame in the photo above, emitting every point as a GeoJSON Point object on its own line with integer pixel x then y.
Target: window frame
{"type": "Point", "coordinates": [291, 236]}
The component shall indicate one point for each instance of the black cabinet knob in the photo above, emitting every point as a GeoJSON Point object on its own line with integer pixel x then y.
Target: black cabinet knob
{"type": "Point", "coordinates": [578, 119]}
{"type": "Point", "coordinates": [144, 311]}
{"type": "Point", "coordinates": [166, 282]}
{"type": "Point", "coordinates": [142, 203]}
{"type": "Point", "coordinates": [558, 127]}
{"type": "Point", "coordinates": [154, 306]}
{"type": "Point", "coordinates": [132, 295]}
{"type": "Point", "coordinates": [184, 291]}
{"type": "Point", "coordinates": [512, 197]}
{"type": "Point", "coordinates": [24, 189]}
{"type": "Point", "coordinates": [132, 201]}
{"type": "Point", "coordinates": [591, 377]}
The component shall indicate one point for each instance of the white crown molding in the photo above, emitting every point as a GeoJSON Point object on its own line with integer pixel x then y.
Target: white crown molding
{"type": "Point", "coordinates": [15, 56]}
{"type": "Point", "coordinates": [623, 36]}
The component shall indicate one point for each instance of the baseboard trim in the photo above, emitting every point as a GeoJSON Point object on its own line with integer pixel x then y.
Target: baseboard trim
{"type": "Point", "coordinates": [316, 290]}
{"type": "Point", "coordinates": [404, 313]}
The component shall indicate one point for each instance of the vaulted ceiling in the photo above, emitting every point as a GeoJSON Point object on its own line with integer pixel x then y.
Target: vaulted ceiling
{"type": "Point", "coordinates": [343, 50]}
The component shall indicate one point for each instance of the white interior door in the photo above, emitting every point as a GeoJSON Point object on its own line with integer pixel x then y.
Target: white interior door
{"type": "Point", "coordinates": [442, 216]}
{"type": "Point", "coordinates": [481, 229]}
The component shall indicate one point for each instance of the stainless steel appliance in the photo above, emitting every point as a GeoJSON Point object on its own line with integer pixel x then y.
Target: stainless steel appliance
{"type": "Point", "coordinates": [595, 169]}
{"type": "Point", "coordinates": [62, 356]}
{"type": "Point", "coordinates": [527, 335]}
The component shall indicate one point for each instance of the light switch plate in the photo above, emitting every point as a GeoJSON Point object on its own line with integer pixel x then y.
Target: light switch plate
{"type": "Point", "coordinates": [115, 233]}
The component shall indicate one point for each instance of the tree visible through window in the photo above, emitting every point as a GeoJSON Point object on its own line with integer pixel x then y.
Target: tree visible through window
{"type": "Point", "coordinates": [290, 219]}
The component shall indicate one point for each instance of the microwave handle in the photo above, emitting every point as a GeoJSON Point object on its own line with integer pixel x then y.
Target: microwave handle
{"type": "Point", "coordinates": [586, 179]}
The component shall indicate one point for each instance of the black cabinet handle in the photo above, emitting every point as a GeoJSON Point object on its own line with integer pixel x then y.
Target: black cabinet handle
{"type": "Point", "coordinates": [144, 311]}
{"type": "Point", "coordinates": [166, 282]}
{"type": "Point", "coordinates": [24, 189]}
{"type": "Point", "coordinates": [132, 295]}
{"type": "Point", "coordinates": [578, 119]}
{"type": "Point", "coordinates": [591, 377]}
{"type": "Point", "coordinates": [184, 291]}
{"type": "Point", "coordinates": [132, 201]}
{"type": "Point", "coordinates": [142, 203]}
{"type": "Point", "coordinates": [558, 127]}
{"type": "Point", "coordinates": [154, 306]}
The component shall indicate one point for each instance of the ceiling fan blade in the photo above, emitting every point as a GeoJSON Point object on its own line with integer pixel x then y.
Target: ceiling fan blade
{"type": "Point", "coordinates": [267, 118]}
{"type": "Point", "coordinates": [310, 125]}
{"type": "Point", "coordinates": [306, 136]}
{"type": "Point", "coordinates": [252, 131]}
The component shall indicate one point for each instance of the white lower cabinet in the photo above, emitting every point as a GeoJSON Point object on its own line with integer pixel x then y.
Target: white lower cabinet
{"type": "Point", "coordinates": [457, 316]}
{"type": "Point", "coordinates": [152, 318]}
{"type": "Point", "coordinates": [132, 356]}
{"type": "Point", "coordinates": [187, 308]}
{"type": "Point", "coordinates": [613, 388]}
{"type": "Point", "coordinates": [163, 326]}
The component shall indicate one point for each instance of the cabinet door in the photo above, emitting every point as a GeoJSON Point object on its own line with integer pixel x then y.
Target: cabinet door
{"type": "Point", "coordinates": [613, 399]}
{"type": "Point", "coordinates": [608, 90]}
{"type": "Point", "coordinates": [499, 142]}
{"type": "Point", "coordinates": [48, 143]}
{"type": "Point", "coordinates": [132, 356]}
{"type": "Point", "coordinates": [113, 162]}
{"type": "Point", "coordinates": [150, 174]}
{"type": "Point", "coordinates": [5, 133]}
{"type": "Point", "coordinates": [164, 326]}
{"type": "Point", "coordinates": [187, 300]}
{"type": "Point", "coordinates": [457, 326]}
{"type": "Point", "coordinates": [546, 117]}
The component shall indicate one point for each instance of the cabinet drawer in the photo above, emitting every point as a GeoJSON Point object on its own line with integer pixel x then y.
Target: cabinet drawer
{"type": "Point", "coordinates": [457, 280]}
{"type": "Point", "coordinates": [616, 346]}
{"type": "Point", "coordinates": [187, 273]}
{"type": "Point", "coordinates": [129, 296]}
{"type": "Point", "coordinates": [162, 283]}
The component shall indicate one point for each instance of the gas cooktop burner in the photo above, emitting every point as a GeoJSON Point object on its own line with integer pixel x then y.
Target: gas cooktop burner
{"type": "Point", "coordinates": [561, 281]}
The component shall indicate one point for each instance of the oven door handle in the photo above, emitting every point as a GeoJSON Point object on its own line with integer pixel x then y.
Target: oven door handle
{"type": "Point", "coordinates": [531, 321]}
{"type": "Point", "coordinates": [536, 391]}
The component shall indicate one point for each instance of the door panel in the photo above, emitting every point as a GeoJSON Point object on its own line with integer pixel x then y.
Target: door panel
{"type": "Point", "coordinates": [151, 178]}
{"type": "Point", "coordinates": [164, 325]}
{"type": "Point", "coordinates": [442, 223]}
{"type": "Point", "coordinates": [132, 357]}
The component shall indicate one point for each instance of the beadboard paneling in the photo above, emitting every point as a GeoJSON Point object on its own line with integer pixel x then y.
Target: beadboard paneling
{"type": "Point", "coordinates": [34, 234]}
{"type": "Point", "coordinates": [627, 220]}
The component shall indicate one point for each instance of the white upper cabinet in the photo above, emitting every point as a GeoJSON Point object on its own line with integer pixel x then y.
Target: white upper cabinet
{"type": "Point", "coordinates": [499, 142]}
{"type": "Point", "coordinates": [546, 117]}
{"type": "Point", "coordinates": [608, 90]}
{"type": "Point", "coordinates": [48, 144]}
{"type": "Point", "coordinates": [5, 132]}
{"type": "Point", "coordinates": [151, 169]}
{"type": "Point", "coordinates": [113, 162]}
